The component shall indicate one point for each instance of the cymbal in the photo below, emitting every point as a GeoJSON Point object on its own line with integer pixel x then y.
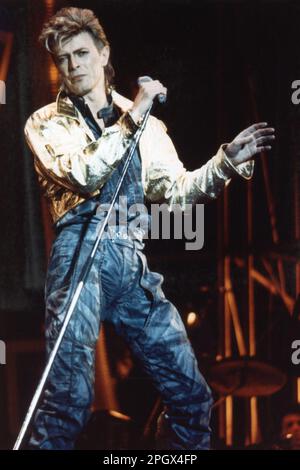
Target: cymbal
{"type": "Point", "coordinates": [245, 377]}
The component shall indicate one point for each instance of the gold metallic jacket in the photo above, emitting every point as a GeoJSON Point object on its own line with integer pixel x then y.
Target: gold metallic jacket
{"type": "Point", "coordinates": [73, 166]}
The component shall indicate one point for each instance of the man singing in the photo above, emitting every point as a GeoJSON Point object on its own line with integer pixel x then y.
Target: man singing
{"type": "Point", "coordinates": [78, 144]}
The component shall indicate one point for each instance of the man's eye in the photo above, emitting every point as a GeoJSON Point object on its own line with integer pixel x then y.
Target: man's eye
{"type": "Point", "coordinates": [60, 60]}
{"type": "Point", "coordinates": [81, 53]}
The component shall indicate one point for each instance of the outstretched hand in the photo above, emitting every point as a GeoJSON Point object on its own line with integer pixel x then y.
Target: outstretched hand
{"type": "Point", "coordinates": [256, 138]}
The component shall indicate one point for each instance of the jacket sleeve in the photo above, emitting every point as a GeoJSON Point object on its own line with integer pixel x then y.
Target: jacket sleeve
{"type": "Point", "coordinates": [66, 156]}
{"type": "Point", "coordinates": [167, 179]}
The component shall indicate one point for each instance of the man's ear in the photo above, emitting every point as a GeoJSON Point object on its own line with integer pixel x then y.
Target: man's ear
{"type": "Point", "coordinates": [104, 55]}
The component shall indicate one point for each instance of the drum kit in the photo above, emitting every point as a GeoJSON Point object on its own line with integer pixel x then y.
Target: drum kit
{"type": "Point", "coordinates": [245, 377]}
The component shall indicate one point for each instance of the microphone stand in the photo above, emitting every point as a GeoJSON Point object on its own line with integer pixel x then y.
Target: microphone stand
{"type": "Point", "coordinates": [82, 279]}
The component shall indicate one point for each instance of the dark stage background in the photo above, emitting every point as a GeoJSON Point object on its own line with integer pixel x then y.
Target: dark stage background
{"type": "Point", "coordinates": [226, 64]}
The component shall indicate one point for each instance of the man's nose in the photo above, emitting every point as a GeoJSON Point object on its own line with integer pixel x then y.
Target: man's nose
{"type": "Point", "coordinates": [72, 63]}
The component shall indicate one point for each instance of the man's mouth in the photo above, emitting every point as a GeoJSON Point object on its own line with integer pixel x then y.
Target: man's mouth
{"type": "Point", "coordinates": [77, 77]}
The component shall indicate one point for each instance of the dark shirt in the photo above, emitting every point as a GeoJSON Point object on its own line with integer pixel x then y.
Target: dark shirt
{"type": "Point", "coordinates": [131, 188]}
{"type": "Point", "coordinates": [110, 114]}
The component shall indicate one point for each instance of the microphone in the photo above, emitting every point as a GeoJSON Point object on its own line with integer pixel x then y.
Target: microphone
{"type": "Point", "coordinates": [161, 97]}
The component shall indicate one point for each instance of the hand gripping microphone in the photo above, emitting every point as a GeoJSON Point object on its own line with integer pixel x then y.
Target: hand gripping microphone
{"type": "Point", "coordinates": [161, 97]}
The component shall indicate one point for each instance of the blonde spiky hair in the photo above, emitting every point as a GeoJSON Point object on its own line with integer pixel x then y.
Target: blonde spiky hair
{"type": "Point", "coordinates": [69, 22]}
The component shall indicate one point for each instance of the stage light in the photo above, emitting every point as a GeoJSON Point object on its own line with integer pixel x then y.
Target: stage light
{"type": "Point", "coordinates": [192, 318]}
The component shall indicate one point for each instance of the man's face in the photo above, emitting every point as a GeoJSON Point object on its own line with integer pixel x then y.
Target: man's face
{"type": "Point", "coordinates": [81, 64]}
{"type": "Point", "coordinates": [291, 428]}
{"type": "Point", "coordinates": [291, 423]}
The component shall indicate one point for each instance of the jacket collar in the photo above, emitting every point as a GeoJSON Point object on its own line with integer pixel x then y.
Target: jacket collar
{"type": "Point", "coordinates": [65, 107]}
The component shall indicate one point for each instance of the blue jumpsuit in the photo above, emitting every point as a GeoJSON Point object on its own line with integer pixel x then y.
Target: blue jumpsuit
{"type": "Point", "coordinates": [122, 290]}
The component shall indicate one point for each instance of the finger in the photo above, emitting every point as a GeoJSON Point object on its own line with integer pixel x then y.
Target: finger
{"type": "Point", "coordinates": [260, 132]}
{"type": "Point", "coordinates": [158, 83]}
{"type": "Point", "coordinates": [160, 87]}
{"type": "Point", "coordinates": [254, 127]}
{"type": "Point", "coordinates": [265, 139]}
{"type": "Point", "coordinates": [264, 148]}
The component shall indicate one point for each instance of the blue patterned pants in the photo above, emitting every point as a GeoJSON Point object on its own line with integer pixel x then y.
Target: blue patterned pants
{"type": "Point", "coordinates": [122, 290]}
